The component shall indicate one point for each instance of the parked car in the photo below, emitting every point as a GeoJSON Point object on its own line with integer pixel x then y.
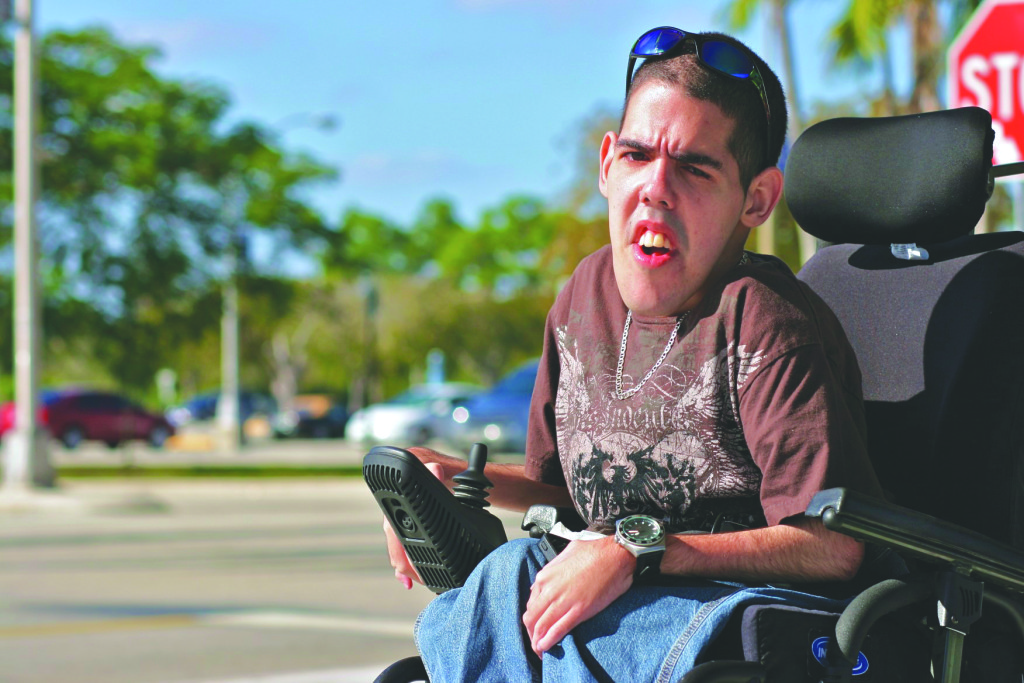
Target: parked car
{"type": "Point", "coordinates": [497, 417]}
{"type": "Point", "coordinates": [412, 418]}
{"type": "Point", "coordinates": [312, 416]}
{"type": "Point", "coordinates": [80, 415]}
{"type": "Point", "coordinates": [46, 397]}
{"type": "Point", "coordinates": [204, 407]}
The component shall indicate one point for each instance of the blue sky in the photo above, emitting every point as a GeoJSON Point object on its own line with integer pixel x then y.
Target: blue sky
{"type": "Point", "coordinates": [467, 99]}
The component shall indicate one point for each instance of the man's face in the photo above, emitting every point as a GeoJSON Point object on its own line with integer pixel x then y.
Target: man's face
{"type": "Point", "coordinates": [677, 213]}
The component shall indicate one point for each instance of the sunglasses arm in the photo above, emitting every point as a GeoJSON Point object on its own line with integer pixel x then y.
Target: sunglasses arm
{"type": "Point", "coordinates": [629, 72]}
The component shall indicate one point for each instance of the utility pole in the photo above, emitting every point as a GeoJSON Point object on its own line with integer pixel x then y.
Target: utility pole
{"type": "Point", "coordinates": [228, 408]}
{"type": "Point", "coordinates": [229, 412]}
{"type": "Point", "coordinates": [230, 423]}
{"type": "Point", "coordinates": [26, 453]}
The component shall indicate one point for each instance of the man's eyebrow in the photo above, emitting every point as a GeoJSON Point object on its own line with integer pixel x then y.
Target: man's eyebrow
{"type": "Point", "coordinates": [691, 158]}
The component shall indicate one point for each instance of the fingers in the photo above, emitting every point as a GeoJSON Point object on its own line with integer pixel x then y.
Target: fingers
{"type": "Point", "coordinates": [436, 470]}
{"type": "Point", "coordinates": [545, 639]}
{"type": "Point", "coordinates": [534, 611]}
{"type": "Point", "coordinates": [583, 580]}
{"type": "Point", "coordinates": [548, 620]}
{"type": "Point", "coordinates": [543, 610]}
{"type": "Point", "coordinates": [405, 572]}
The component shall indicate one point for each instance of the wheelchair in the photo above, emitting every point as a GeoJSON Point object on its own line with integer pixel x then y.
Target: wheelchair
{"type": "Point", "coordinates": [931, 311]}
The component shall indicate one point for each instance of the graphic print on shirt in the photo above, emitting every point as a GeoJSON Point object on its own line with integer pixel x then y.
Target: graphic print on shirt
{"type": "Point", "coordinates": [675, 442]}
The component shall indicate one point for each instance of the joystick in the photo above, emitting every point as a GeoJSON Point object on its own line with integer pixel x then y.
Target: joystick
{"type": "Point", "coordinates": [471, 486]}
{"type": "Point", "coordinates": [445, 535]}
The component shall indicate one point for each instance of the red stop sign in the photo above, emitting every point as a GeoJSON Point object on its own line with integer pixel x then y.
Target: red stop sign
{"type": "Point", "coordinates": [986, 69]}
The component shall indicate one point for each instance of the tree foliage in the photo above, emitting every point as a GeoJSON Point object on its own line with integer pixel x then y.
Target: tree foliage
{"type": "Point", "coordinates": [478, 292]}
{"type": "Point", "coordinates": [145, 186]}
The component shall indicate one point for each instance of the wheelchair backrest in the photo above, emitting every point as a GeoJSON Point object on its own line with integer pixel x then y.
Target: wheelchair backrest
{"type": "Point", "coordinates": [940, 341]}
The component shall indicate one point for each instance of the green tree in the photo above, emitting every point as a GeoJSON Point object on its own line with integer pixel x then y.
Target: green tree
{"type": "Point", "coordinates": [779, 236]}
{"type": "Point", "coordinates": [479, 292]}
{"type": "Point", "coordinates": [861, 38]}
{"type": "Point", "coordinates": [582, 144]}
{"type": "Point", "coordinates": [740, 14]}
{"type": "Point", "coordinates": [142, 194]}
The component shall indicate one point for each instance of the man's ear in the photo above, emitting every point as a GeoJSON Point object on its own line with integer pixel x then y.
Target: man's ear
{"type": "Point", "coordinates": [763, 194]}
{"type": "Point", "coordinates": [607, 153]}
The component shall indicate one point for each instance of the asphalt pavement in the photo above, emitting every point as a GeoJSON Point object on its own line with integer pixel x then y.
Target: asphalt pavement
{"type": "Point", "coordinates": [202, 580]}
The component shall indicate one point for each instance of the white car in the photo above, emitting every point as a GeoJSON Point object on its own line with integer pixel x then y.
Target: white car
{"type": "Point", "coordinates": [410, 419]}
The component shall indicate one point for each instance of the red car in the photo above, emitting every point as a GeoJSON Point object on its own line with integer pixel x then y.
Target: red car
{"type": "Point", "coordinates": [46, 397]}
{"type": "Point", "coordinates": [79, 415]}
{"type": "Point", "coordinates": [101, 416]}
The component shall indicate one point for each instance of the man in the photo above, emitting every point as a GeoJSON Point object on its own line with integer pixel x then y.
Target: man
{"type": "Point", "coordinates": [682, 380]}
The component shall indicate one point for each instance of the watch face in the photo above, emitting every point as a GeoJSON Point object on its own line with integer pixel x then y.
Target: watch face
{"type": "Point", "coordinates": [641, 530]}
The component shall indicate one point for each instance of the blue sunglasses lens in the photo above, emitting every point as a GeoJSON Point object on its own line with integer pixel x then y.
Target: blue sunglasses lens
{"type": "Point", "coordinates": [723, 57]}
{"type": "Point", "coordinates": [726, 59]}
{"type": "Point", "coordinates": [657, 42]}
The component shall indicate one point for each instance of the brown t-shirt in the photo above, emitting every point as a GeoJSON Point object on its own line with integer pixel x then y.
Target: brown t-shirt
{"type": "Point", "coordinates": [757, 401]}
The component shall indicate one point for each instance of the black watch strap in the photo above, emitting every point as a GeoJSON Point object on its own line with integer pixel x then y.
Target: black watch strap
{"type": "Point", "coordinates": [648, 566]}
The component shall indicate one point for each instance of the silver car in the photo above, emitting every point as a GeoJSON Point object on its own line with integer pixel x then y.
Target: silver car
{"type": "Point", "coordinates": [412, 418]}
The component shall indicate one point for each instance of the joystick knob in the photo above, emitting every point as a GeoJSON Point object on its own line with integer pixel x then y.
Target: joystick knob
{"type": "Point", "coordinates": [471, 485]}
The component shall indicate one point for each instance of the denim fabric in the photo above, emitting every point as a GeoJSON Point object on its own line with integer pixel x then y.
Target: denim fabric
{"type": "Point", "coordinates": [652, 633]}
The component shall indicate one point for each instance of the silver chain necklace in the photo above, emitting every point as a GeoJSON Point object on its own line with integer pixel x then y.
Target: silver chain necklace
{"type": "Point", "coordinates": [623, 395]}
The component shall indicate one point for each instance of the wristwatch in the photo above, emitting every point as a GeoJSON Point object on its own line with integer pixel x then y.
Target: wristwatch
{"type": "Point", "coordinates": [644, 537]}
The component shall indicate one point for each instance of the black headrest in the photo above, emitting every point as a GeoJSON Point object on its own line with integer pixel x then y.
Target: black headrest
{"type": "Point", "coordinates": [922, 178]}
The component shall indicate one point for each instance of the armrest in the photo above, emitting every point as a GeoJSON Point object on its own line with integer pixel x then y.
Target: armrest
{"type": "Point", "coordinates": [539, 519]}
{"type": "Point", "coordinates": [870, 519]}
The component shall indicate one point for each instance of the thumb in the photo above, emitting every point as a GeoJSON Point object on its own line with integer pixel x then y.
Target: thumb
{"type": "Point", "coordinates": [436, 470]}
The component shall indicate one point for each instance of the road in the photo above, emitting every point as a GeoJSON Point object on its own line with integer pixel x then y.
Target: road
{"type": "Point", "coordinates": [201, 581]}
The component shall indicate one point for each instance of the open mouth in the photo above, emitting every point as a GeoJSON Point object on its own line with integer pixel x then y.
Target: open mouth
{"type": "Point", "coordinates": [654, 243]}
{"type": "Point", "coordinates": [652, 249]}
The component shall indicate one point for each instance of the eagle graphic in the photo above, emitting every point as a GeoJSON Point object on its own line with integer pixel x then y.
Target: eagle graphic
{"type": "Point", "coordinates": [674, 444]}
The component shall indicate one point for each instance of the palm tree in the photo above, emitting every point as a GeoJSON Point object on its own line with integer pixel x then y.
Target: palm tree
{"type": "Point", "coordinates": [929, 51]}
{"type": "Point", "coordinates": [861, 37]}
{"type": "Point", "coordinates": [740, 13]}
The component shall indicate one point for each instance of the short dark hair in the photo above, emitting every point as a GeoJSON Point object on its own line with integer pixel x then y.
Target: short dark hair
{"type": "Point", "coordinates": [739, 101]}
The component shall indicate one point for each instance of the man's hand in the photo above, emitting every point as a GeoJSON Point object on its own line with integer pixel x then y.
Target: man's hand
{"type": "Point", "coordinates": [584, 579]}
{"type": "Point", "coordinates": [405, 572]}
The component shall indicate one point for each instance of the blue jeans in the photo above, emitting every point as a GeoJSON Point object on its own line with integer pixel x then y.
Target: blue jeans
{"type": "Point", "coordinates": [651, 633]}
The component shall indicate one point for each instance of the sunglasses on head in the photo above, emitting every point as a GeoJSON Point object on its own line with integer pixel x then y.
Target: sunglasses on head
{"type": "Point", "coordinates": [717, 55]}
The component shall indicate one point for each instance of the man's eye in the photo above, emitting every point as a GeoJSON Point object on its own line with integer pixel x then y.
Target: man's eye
{"type": "Point", "coordinates": [693, 170]}
{"type": "Point", "coordinates": [635, 156]}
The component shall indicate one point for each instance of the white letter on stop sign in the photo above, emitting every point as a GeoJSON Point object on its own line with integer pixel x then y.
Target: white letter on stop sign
{"type": "Point", "coordinates": [972, 77]}
{"type": "Point", "coordinates": [974, 67]}
{"type": "Point", "coordinates": [1005, 63]}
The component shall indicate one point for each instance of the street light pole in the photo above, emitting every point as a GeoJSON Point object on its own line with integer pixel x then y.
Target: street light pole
{"type": "Point", "coordinates": [228, 409]}
{"type": "Point", "coordinates": [229, 412]}
{"type": "Point", "coordinates": [26, 459]}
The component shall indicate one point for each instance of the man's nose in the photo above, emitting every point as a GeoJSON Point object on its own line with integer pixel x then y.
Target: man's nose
{"type": "Point", "coordinates": [657, 187]}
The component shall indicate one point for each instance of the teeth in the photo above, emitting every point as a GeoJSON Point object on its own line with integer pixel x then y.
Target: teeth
{"type": "Point", "coordinates": [654, 239]}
